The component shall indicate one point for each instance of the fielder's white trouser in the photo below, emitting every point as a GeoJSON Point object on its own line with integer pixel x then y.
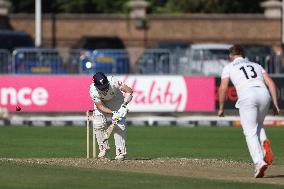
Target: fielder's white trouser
{"type": "Point", "coordinates": [253, 106]}
{"type": "Point", "coordinates": [100, 126]}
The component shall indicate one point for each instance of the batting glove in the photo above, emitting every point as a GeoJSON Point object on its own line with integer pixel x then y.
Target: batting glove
{"type": "Point", "coordinates": [123, 110]}
{"type": "Point", "coordinates": [115, 116]}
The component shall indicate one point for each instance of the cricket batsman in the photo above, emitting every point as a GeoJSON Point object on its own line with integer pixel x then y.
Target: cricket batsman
{"type": "Point", "coordinates": [110, 98]}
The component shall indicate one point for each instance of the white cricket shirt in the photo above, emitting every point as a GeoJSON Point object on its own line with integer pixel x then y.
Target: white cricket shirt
{"type": "Point", "coordinates": [244, 74]}
{"type": "Point", "coordinates": [112, 98]}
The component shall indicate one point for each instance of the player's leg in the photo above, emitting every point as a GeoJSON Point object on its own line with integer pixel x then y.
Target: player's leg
{"type": "Point", "coordinates": [264, 103]}
{"type": "Point", "coordinates": [263, 107]}
{"type": "Point", "coordinates": [266, 146]}
{"type": "Point", "coordinates": [248, 116]}
{"type": "Point", "coordinates": [120, 140]}
{"type": "Point", "coordinates": [99, 125]}
{"type": "Point", "coordinates": [248, 113]}
{"type": "Point", "coordinates": [119, 132]}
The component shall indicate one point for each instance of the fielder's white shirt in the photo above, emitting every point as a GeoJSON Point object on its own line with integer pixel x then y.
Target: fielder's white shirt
{"type": "Point", "coordinates": [112, 98]}
{"type": "Point", "coordinates": [244, 74]}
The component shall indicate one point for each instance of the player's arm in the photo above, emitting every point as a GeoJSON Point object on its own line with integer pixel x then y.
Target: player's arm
{"type": "Point", "coordinates": [103, 108]}
{"type": "Point", "coordinates": [99, 104]}
{"type": "Point", "coordinates": [272, 89]}
{"type": "Point", "coordinates": [222, 95]}
{"type": "Point", "coordinates": [115, 114]}
{"type": "Point", "coordinates": [127, 94]}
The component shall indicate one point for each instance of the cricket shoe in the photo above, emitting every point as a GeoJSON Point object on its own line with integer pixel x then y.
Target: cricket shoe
{"type": "Point", "coordinates": [119, 157]}
{"type": "Point", "coordinates": [103, 152]}
{"type": "Point", "coordinates": [268, 154]}
{"type": "Point", "coordinates": [260, 169]}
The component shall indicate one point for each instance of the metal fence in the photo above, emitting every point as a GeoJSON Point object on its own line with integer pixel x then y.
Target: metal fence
{"type": "Point", "coordinates": [156, 61]}
{"type": "Point", "coordinates": [133, 61]}
{"type": "Point", "coordinates": [103, 60]}
{"type": "Point", "coordinates": [182, 62]}
{"type": "Point", "coordinates": [272, 64]}
{"type": "Point", "coordinates": [37, 61]}
{"type": "Point", "coordinates": [5, 61]}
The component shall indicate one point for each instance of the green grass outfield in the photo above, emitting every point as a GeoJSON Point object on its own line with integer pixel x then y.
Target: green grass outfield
{"type": "Point", "coordinates": [199, 142]}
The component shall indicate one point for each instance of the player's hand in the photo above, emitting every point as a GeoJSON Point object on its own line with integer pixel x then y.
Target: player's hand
{"type": "Point", "coordinates": [221, 113]}
{"type": "Point", "coordinates": [276, 110]}
{"type": "Point", "coordinates": [115, 116]}
{"type": "Point", "coordinates": [123, 110]}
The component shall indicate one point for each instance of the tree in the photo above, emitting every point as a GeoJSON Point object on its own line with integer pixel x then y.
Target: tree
{"type": "Point", "coordinates": [156, 6]}
{"type": "Point", "coordinates": [70, 6]}
{"type": "Point", "coordinates": [206, 6]}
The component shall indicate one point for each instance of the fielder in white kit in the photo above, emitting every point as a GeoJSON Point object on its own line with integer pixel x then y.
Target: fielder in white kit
{"type": "Point", "coordinates": [110, 97]}
{"type": "Point", "coordinates": [251, 82]}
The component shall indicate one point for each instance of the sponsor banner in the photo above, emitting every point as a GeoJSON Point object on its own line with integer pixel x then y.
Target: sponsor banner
{"type": "Point", "coordinates": [201, 93]}
{"type": "Point", "coordinates": [193, 121]}
{"type": "Point", "coordinates": [280, 89]}
{"type": "Point", "coordinates": [157, 94]}
{"type": "Point", "coordinates": [45, 93]}
{"type": "Point", "coordinates": [171, 93]}
{"type": "Point", "coordinates": [231, 95]}
{"type": "Point", "coordinates": [71, 93]}
{"type": "Point", "coordinates": [268, 123]}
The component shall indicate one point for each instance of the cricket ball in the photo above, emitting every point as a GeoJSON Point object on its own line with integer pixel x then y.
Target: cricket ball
{"type": "Point", "coordinates": [18, 108]}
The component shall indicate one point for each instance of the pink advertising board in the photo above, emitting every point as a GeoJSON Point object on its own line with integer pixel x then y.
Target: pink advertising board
{"type": "Point", "coordinates": [45, 93]}
{"type": "Point", "coordinates": [71, 93]}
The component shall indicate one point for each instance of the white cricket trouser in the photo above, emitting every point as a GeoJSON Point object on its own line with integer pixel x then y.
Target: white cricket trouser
{"type": "Point", "coordinates": [100, 126]}
{"type": "Point", "coordinates": [119, 133]}
{"type": "Point", "coordinates": [253, 106]}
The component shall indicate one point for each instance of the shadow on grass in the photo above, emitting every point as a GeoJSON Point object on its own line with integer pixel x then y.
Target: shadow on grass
{"type": "Point", "coordinates": [275, 176]}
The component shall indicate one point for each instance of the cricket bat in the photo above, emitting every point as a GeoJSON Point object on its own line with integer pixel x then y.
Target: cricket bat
{"type": "Point", "coordinates": [110, 129]}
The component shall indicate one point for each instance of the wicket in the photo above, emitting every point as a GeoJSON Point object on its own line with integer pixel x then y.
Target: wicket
{"type": "Point", "coordinates": [88, 136]}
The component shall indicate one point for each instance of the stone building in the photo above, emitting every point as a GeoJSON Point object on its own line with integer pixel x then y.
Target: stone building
{"type": "Point", "coordinates": [67, 29]}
